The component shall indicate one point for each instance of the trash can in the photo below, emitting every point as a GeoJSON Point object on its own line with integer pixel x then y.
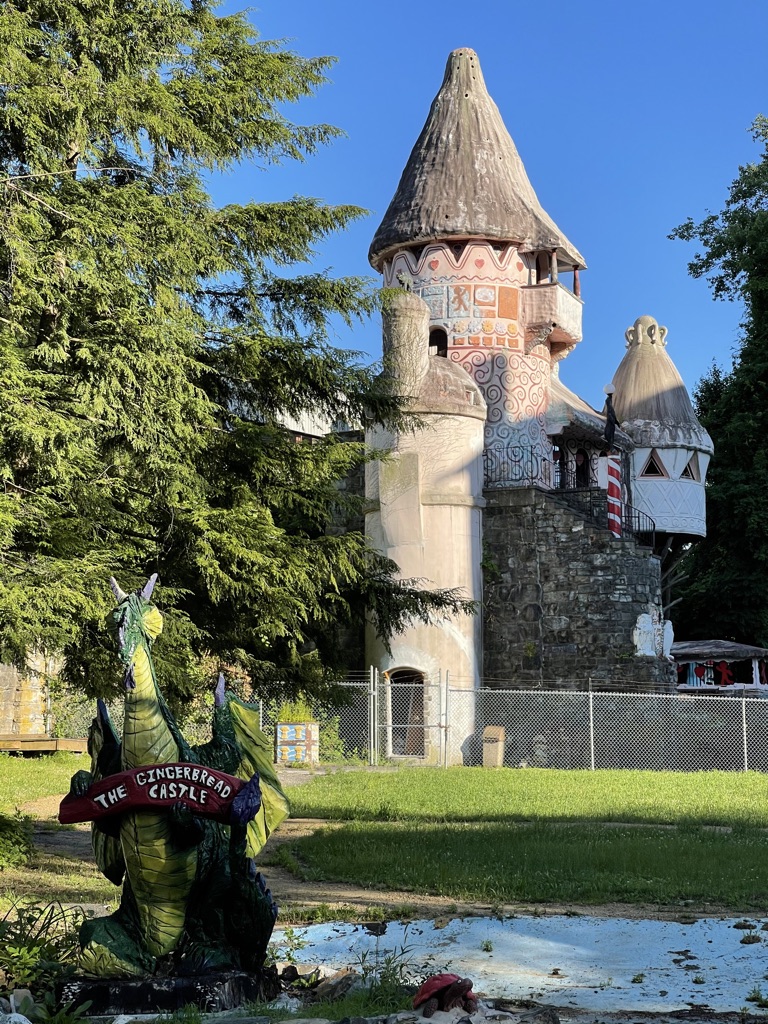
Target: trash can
{"type": "Point", "coordinates": [493, 746]}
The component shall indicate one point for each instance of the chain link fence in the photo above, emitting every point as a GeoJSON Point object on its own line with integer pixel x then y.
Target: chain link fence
{"type": "Point", "coordinates": [345, 726]}
{"type": "Point", "coordinates": [380, 719]}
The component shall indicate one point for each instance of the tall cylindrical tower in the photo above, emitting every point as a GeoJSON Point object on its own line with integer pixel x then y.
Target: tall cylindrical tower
{"type": "Point", "coordinates": [424, 504]}
{"type": "Point", "coordinates": [466, 232]}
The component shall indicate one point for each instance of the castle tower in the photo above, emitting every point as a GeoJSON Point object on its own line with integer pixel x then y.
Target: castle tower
{"type": "Point", "coordinates": [466, 232]}
{"type": "Point", "coordinates": [424, 508]}
{"type": "Point", "coordinates": [672, 449]}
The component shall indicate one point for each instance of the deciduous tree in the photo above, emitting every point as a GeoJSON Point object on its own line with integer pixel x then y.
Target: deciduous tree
{"type": "Point", "coordinates": [726, 595]}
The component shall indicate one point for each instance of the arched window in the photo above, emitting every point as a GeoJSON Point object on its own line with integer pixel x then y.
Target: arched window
{"type": "Point", "coordinates": [406, 703]}
{"type": "Point", "coordinates": [438, 342]}
{"type": "Point", "coordinates": [583, 476]}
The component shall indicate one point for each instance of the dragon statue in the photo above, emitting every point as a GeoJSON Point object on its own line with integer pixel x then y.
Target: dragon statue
{"type": "Point", "coordinates": [177, 825]}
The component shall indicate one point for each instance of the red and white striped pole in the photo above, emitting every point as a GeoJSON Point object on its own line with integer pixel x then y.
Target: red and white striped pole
{"type": "Point", "coordinates": [614, 494]}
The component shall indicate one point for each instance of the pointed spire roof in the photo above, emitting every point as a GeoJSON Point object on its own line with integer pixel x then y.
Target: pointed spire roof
{"type": "Point", "coordinates": [465, 179]}
{"type": "Point", "coordinates": [651, 401]}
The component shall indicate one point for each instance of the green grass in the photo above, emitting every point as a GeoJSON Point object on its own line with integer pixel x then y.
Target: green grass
{"type": "Point", "coordinates": [28, 778]}
{"type": "Point", "coordinates": [544, 862]}
{"type": "Point", "coordinates": [539, 835]}
{"type": "Point", "coordinates": [47, 877]}
{"type": "Point", "coordinates": [537, 794]}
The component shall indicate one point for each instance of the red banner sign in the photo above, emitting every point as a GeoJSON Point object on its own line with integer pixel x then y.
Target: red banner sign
{"type": "Point", "coordinates": [205, 791]}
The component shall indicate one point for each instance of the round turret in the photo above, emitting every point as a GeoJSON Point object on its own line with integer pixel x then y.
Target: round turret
{"type": "Point", "coordinates": [672, 448]}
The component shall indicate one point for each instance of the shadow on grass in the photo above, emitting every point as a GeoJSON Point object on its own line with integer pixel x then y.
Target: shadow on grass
{"type": "Point", "coordinates": [541, 862]}
{"type": "Point", "coordinates": [56, 876]}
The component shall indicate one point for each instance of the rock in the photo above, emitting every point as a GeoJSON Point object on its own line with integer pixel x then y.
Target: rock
{"type": "Point", "coordinates": [286, 1002]}
{"type": "Point", "coordinates": [13, 1018]}
{"type": "Point", "coordinates": [541, 1015]}
{"type": "Point", "coordinates": [5, 1005]}
{"type": "Point", "coordinates": [18, 997]}
{"type": "Point", "coordinates": [337, 986]}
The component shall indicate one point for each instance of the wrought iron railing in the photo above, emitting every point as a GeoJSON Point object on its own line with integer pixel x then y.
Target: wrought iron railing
{"type": "Point", "coordinates": [512, 466]}
{"type": "Point", "coordinates": [527, 466]}
{"type": "Point", "coordinates": [638, 524]}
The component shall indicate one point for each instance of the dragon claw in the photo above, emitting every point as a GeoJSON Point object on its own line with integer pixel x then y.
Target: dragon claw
{"type": "Point", "coordinates": [246, 804]}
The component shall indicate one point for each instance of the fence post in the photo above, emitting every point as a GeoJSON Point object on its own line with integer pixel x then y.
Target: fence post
{"type": "Point", "coordinates": [373, 732]}
{"type": "Point", "coordinates": [446, 718]}
{"type": "Point", "coordinates": [591, 728]}
{"type": "Point", "coordinates": [744, 729]}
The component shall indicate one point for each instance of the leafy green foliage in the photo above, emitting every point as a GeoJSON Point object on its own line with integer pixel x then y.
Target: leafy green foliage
{"type": "Point", "coordinates": [152, 345]}
{"type": "Point", "coordinates": [15, 840]}
{"type": "Point", "coordinates": [49, 1011]}
{"type": "Point", "coordinates": [725, 594]}
{"type": "Point", "coordinates": [38, 943]}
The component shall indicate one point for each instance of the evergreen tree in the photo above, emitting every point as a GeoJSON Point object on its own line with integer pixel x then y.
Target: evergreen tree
{"type": "Point", "coordinates": [725, 596]}
{"type": "Point", "coordinates": [152, 344]}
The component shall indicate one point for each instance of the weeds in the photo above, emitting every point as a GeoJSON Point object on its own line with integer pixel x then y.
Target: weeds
{"type": "Point", "coordinates": [286, 951]}
{"type": "Point", "coordinates": [49, 1011]}
{"type": "Point", "coordinates": [38, 944]}
{"type": "Point", "coordinates": [15, 840]}
{"type": "Point", "coordinates": [756, 996]}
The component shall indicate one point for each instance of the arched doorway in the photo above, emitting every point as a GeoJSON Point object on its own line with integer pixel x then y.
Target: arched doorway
{"type": "Point", "coordinates": [438, 342]}
{"type": "Point", "coordinates": [406, 717]}
{"type": "Point", "coordinates": [583, 475]}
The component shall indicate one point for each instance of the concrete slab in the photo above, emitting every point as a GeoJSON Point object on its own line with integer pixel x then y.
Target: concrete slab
{"type": "Point", "coordinates": [591, 963]}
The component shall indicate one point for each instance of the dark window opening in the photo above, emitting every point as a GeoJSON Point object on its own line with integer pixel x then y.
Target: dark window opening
{"type": "Point", "coordinates": [654, 467]}
{"type": "Point", "coordinates": [438, 342]}
{"type": "Point", "coordinates": [542, 267]}
{"type": "Point", "coordinates": [691, 471]}
{"type": "Point", "coordinates": [581, 459]}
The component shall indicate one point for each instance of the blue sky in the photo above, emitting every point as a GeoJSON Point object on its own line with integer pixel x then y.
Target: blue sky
{"type": "Point", "coordinates": [629, 117]}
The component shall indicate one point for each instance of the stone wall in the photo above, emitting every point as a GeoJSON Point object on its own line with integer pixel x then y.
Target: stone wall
{"type": "Point", "coordinates": [22, 702]}
{"type": "Point", "coordinates": [562, 596]}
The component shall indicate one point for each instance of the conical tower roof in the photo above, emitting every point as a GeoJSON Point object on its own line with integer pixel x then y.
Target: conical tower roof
{"type": "Point", "coordinates": [650, 399]}
{"type": "Point", "coordinates": [465, 179]}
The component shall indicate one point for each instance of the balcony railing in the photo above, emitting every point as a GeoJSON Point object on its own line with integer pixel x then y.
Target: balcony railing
{"type": "Point", "coordinates": [527, 466]}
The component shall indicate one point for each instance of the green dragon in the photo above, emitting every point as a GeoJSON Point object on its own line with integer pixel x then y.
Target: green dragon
{"type": "Point", "coordinates": [191, 900]}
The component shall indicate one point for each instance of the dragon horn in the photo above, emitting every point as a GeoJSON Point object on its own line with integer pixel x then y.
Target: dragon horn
{"type": "Point", "coordinates": [120, 594]}
{"type": "Point", "coordinates": [148, 587]}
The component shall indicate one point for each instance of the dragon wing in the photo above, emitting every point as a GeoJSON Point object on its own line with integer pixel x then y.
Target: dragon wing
{"type": "Point", "coordinates": [104, 748]}
{"type": "Point", "coordinates": [255, 751]}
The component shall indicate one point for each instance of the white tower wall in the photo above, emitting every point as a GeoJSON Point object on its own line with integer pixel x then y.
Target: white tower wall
{"type": "Point", "coordinates": [424, 512]}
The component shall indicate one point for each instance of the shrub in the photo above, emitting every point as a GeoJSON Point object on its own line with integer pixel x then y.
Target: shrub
{"type": "Point", "coordinates": [15, 840]}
